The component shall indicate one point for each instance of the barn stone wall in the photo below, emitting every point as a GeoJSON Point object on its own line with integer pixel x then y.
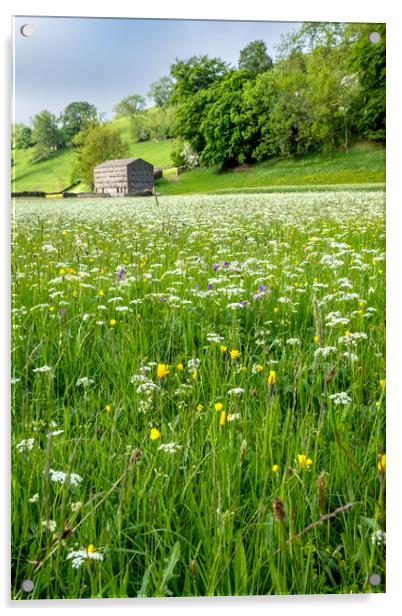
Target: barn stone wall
{"type": "Point", "coordinates": [125, 178]}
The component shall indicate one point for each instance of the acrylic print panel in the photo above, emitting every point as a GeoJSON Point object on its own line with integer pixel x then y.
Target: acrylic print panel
{"type": "Point", "coordinates": [198, 368]}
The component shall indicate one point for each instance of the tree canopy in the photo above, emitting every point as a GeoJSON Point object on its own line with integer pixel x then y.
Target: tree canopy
{"type": "Point", "coordinates": [255, 59]}
{"type": "Point", "coordinates": [75, 117]}
{"type": "Point", "coordinates": [97, 143]}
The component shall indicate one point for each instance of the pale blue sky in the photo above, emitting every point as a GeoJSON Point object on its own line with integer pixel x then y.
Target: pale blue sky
{"type": "Point", "coordinates": [103, 60]}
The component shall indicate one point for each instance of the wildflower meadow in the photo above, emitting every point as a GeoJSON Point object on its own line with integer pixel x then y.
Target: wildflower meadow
{"type": "Point", "coordinates": [198, 395]}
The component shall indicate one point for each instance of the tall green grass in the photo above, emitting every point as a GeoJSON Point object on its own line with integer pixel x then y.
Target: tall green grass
{"type": "Point", "coordinates": [232, 510]}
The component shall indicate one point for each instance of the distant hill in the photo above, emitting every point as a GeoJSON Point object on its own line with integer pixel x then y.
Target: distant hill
{"type": "Point", "coordinates": [54, 174]}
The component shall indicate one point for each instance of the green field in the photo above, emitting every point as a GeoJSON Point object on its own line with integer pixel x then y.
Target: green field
{"type": "Point", "coordinates": [198, 395]}
{"type": "Point", "coordinates": [361, 165]}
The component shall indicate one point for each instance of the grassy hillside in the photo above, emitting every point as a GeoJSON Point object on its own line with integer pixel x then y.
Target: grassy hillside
{"type": "Point", "coordinates": [49, 175]}
{"type": "Point", "coordinates": [54, 174]}
{"type": "Point", "coordinates": [364, 164]}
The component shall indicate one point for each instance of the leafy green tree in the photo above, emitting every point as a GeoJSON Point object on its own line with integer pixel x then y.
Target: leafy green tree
{"type": "Point", "coordinates": [160, 91]}
{"type": "Point", "coordinates": [195, 74]}
{"type": "Point", "coordinates": [46, 134]}
{"type": "Point", "coordinates": [224, 124]}
{"type": "Point", "coordinates": [132, 107]}
{"type": "Point", "coordinates": [97, 143]}
{"type": "Point", "coordinates": [188, 119]}
{"type": "Point", "coordinates": [75, 117]}
{"type": "Point", "coordinates": [22, 137]}
{"type": "Point", "coordinates": [254, 58]}
{"type": "Point", "coordinates": [369, 61]}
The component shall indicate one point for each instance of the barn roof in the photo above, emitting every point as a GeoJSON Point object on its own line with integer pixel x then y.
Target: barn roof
{"type": "Point", "coordinates": [121, 162]}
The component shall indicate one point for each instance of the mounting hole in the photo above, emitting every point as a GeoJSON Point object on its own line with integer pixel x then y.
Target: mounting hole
{"type": "Point", "coordinates": [374, 579]}
{"type": "Point", "coordinates": [374, 37]}
{"type": "Point", "coordinates": [26, 30]}
{"type": "Point", "coordinates": [27, 585]}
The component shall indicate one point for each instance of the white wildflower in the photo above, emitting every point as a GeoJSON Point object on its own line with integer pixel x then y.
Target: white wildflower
{"type": "Point", "coordinates": [340, 398]}
{"type": "Point", "coordinates": [34, 498]}
{"type": "Point", "coordinates": [49, 525]}
{"type": "Point", "coordinates": [84, 381]}
{"type": "Point", "coordinates": [169, 447]}
{"type": "Point", "coordinates": [378, 537]}
{"type": "Point", "coordinates": [324, 351]}
{"type": "Point", "coordinates": [25, 445]}
{"type": "Point", "coordinates": [54, 433]}
{"type": "Point", "coordinates": [61, 477]}
{"type": "Point", "coordinates": [43, 369]}
{"type": "Point", "coordinates": [78, 557]}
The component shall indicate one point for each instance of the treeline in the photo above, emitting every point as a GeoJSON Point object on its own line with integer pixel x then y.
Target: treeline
{"type": "Point", "coordinates": [326, 89]}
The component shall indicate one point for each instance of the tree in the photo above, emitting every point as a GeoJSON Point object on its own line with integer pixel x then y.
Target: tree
{"type": "Point", "coordinates": [46, 135]}
{"type": "Point", "coordinates": [224, 124]}
{"type": "Point", "coordinates": [22, 137]}
{"type": "Point", "coordinates": [195, 74]}
{"type": "Point", "coordinates": [189, 116]}
{"type": "Point", "coordinates": [132, 107]}
{"type": "Point", "coordinates": [75, 117]}
{"type": "Point", "coordinates": [369, 61]}
{"type": "Point", "coordinates": [254, 58]}
{"type": "Point", "coordinates": [160, 91]}
{"type": "Point", "coordinates": [97, 143]}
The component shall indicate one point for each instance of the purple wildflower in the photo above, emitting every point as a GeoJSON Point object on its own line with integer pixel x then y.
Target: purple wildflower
{"type": "Point", "coordinates": [210, 285]}
{"type": "Point", "coordinates": [120, 274]}
{"type": "Point", "coordinates": [215, 266]}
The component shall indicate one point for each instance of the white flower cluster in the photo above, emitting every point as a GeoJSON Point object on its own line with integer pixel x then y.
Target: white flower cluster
{"type": "Point", "coordinates": [54, 433]}
{"type": "Point", "coordinates": [214, 338]}
{"type": "Point", "coordinates": [236, 391]}
{"type": "Point", "coordinates": [43, 369]}
{"type": "Point", "coordinates": [84, 382]}
{"type": "Point", "coordinates": [324, 351]}
{"type": "Point", "coordinates": [78, 557]}
{"type": "Point", "coordinates": [340, 398]}
{"type": "Point", "coordinates": [25, 445]}
{"type": "Point", "coordinates": [61, 477]}
{"type": "Point", "coordinates": [193, 364]}
{"type": "Point", "coordinates": [169, 447]}
{"type": "Point", "coordinates": [49, 525]}
{"type": "Point", "coordinates": [378, 537]}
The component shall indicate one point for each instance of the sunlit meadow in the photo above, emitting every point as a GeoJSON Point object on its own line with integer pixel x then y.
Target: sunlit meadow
{"type": "Point", "coordinates": [198, 395]}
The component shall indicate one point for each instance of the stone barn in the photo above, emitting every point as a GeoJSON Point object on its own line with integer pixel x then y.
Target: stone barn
{"type": "Point", "coordinates": [128, 176]}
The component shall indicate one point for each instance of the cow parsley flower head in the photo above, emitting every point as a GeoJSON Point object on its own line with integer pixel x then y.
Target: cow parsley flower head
{"type": "Point", "coordinates": [169, 447]}
{"type": "Point", "coordinates": [340, 398]}
{"type": "Point", "coordinates": [43, 369]}
{"type": "Point", "coordinates": [84, 382]}
{"type": "Point", "coordinates": [236, 391]}
{"type": "Point", "coordinates": [378, 537]}
{"type": "Point", "coordinates": [78, 557]}
{"type": "Point", "coordinates": [62, 477]}
{"type": "Point", "coordinates": [25, 445]}
{"type": "Point", "coordinates": [49, 525]}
